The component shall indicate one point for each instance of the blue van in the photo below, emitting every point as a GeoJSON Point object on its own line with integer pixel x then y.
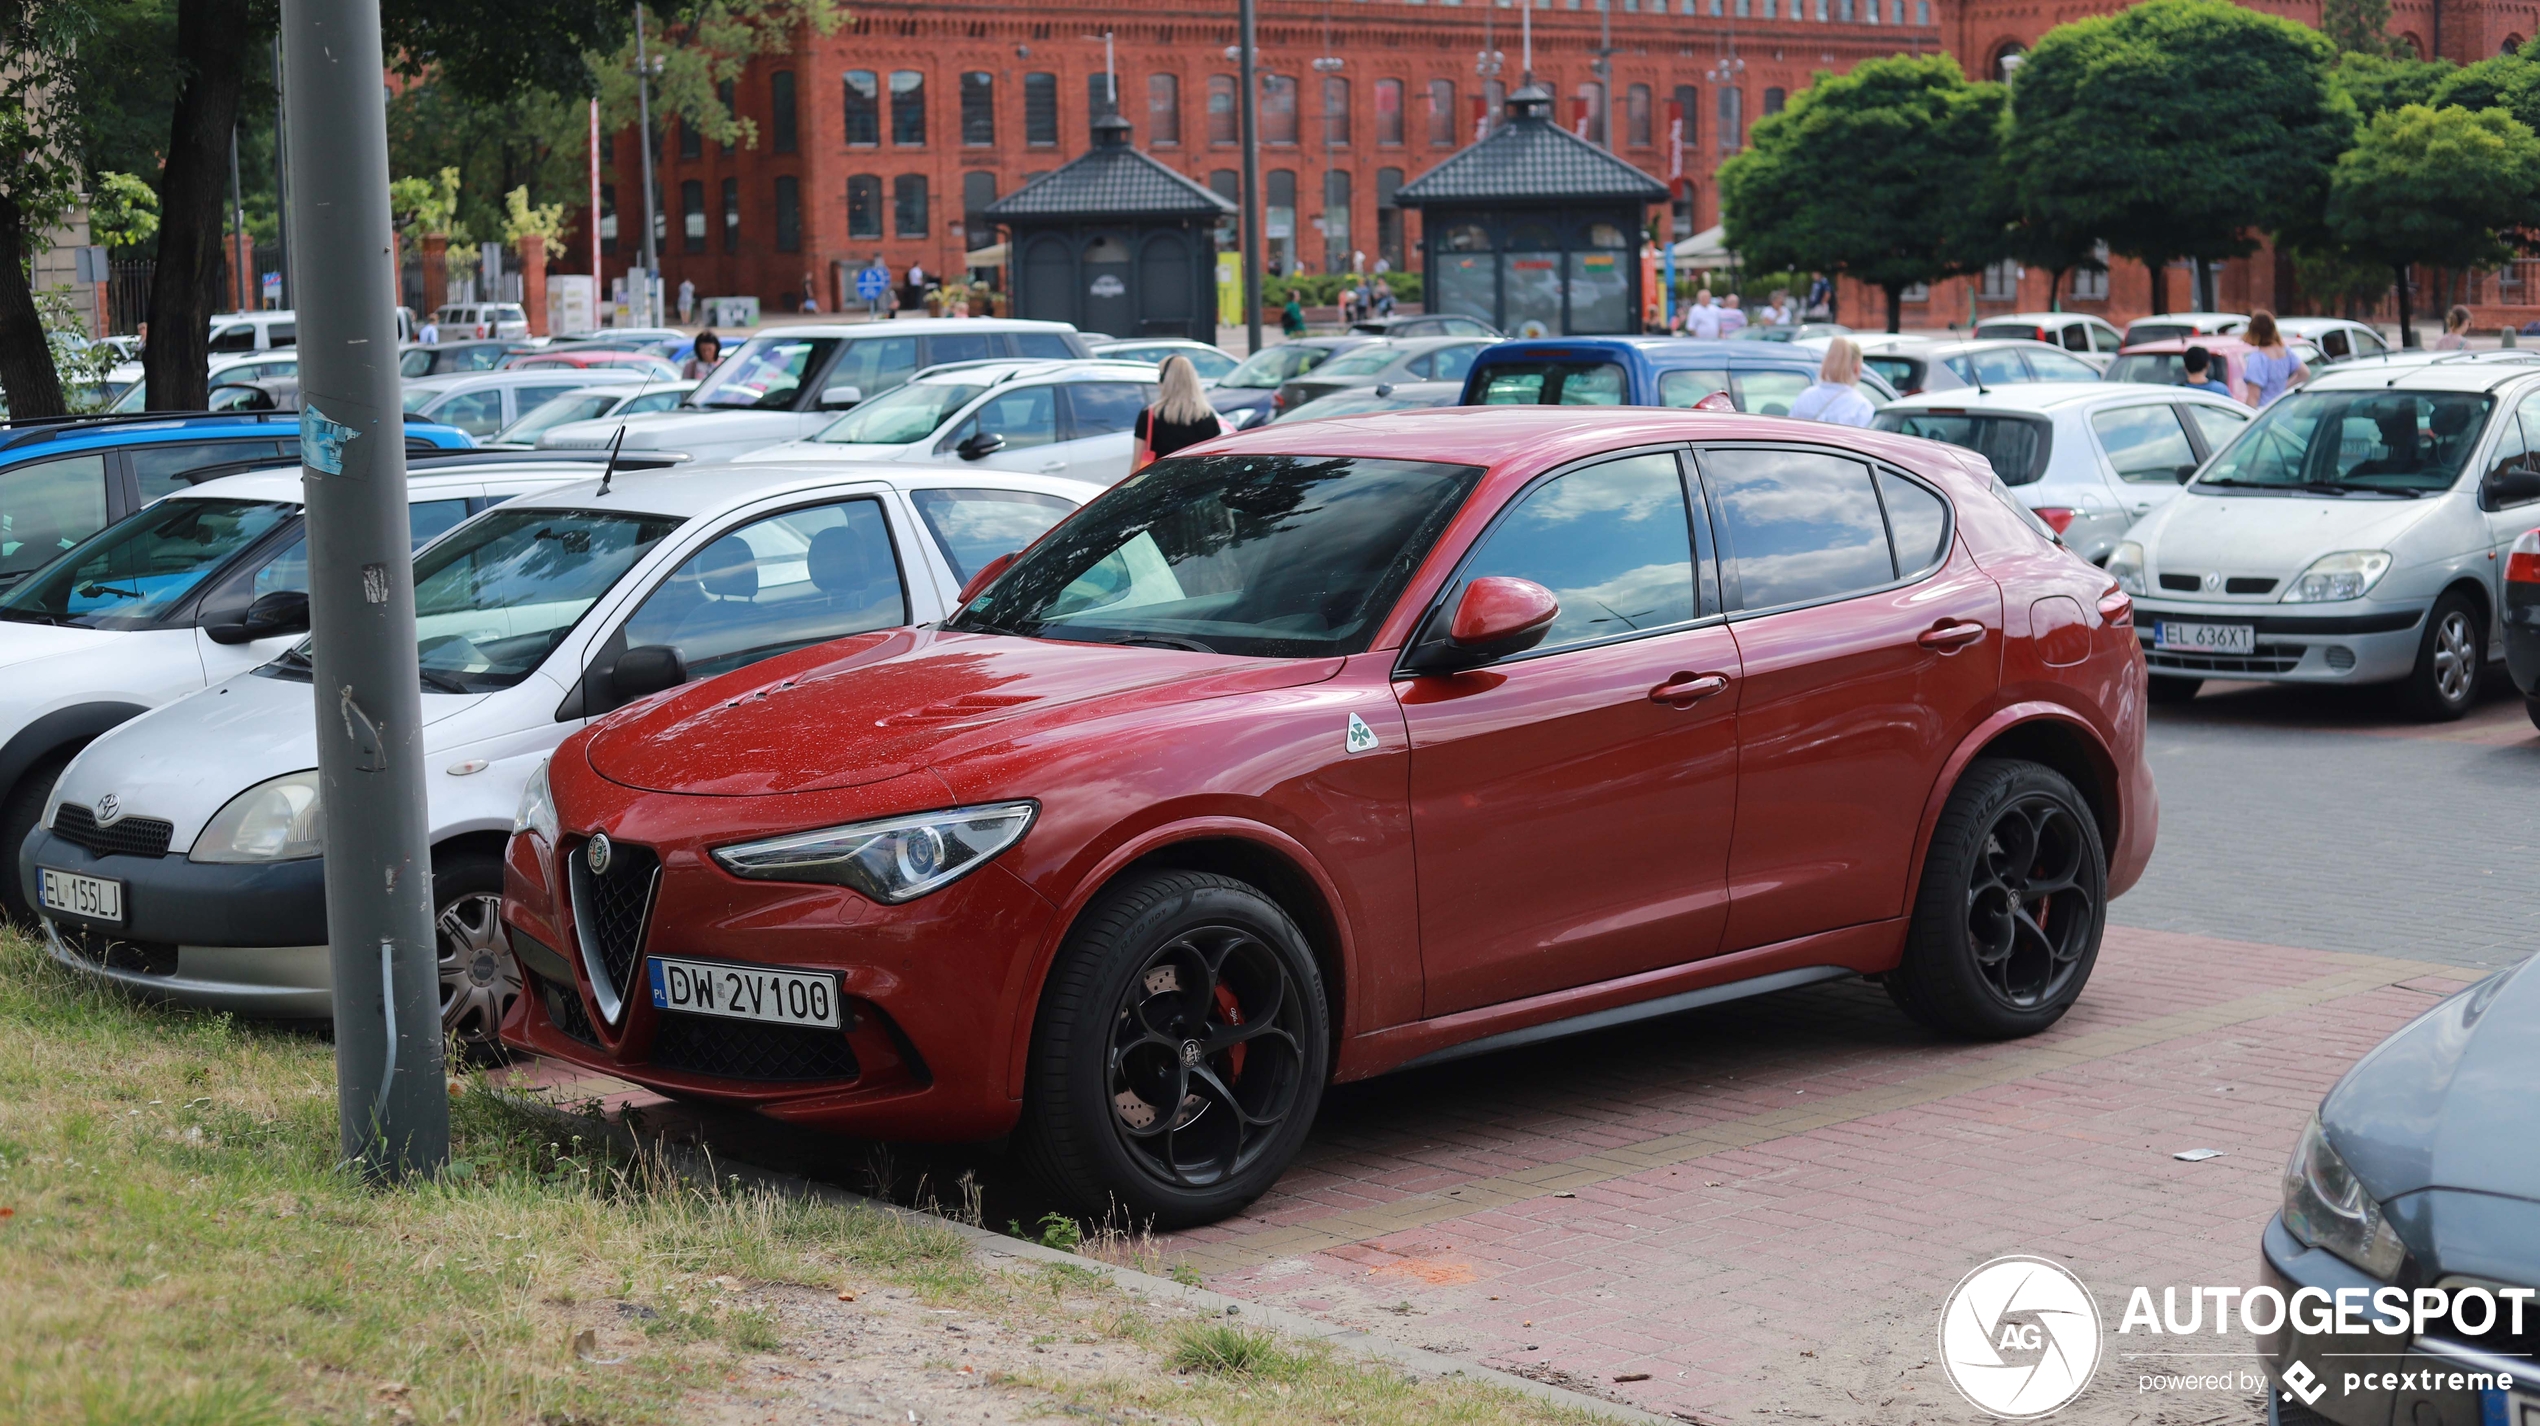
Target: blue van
{"type": "Point", "coordinates": [64, 479]}
{"type": "Point", "coordinates": [1761, 377]}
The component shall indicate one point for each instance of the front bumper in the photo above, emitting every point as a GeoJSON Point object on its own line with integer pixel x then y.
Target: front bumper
{"type": "Point", "coordinates": [2373, 1379]}
{"type": "Point", "coordinates": [2359, 642]}
{"type": "Point", "coordinates": [249, 939]}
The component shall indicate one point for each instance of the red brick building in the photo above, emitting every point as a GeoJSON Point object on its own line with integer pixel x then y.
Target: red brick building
{"type": "Point", "coordinates": [886, 137]}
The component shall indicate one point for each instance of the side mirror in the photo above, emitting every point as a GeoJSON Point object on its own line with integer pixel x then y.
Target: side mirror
{"type": "Point", "coordinates": [987, 575]}
{"type": "Point", "coordinates": [284, 611]}
{"type": "Point", "coordinates": [639, 672]}
{"type": "Point", "coordinates": [839, 398]}
{"type": "Point", "coordinates": [980, 446]}
{"type": "Point", "coordinates": [2509, 486]}
{"type": "Point", "coordinates": [1497, 616]}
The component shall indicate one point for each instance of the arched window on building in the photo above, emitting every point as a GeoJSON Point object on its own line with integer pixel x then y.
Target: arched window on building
{"type": "Point", "coordinates": [1637, 128]}
{"type": "Point", "coordinates": [1164, 111]}
{"type": "Point", "coordinates": [692, 215]}
{"type": "Point", "coordinates": [1593, 106]}
{"type": "Point", "coordinates": [780, 109]}
{"type": "Point", "coordinates": [1441, 113]}
{"type": "Point", "coordinates": [731, 215]}
{"type": "Point", "coordinates": [723, 95]}
{"type": "Point", "coordinates": [978, 190]}
{"type": "Point", "coordinates": [863, 107]}
{"type": "Point", "coordinates": [1102, 95]}
{"type": "Point", "coordinates": [1277, 109]}
{"type": "Point", "coordinates": [908, 108]}
{"type": "Point", "coordinates": [789, 214]}
{"type": "Point", "coordinates": [908, 206]}
{"type": "Point", "coordinates": [978, 109]}
{"type": "Point", "coordinates": [1775, 100]}
{"type": "Point", "coordinates": [864, 206]}
{"type": "Point", "coordinates": [1040, 110]}
{"type": "Point", "coordinates": [2511, 44]}
{"type": "Point", "coordinates": [1389, 112]}
{"type": "Point", "coordinates": [2004, 61]}
{"type": "Point", "coordinates": [1335, 111]}
{"type": "Point", "coordinates": [1225, 126]}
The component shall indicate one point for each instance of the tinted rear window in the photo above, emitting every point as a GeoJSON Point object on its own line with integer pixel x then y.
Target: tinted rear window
{"type": "Point", "coordinates": [1550, 383]}
{"type": "Point", "coordinates": [2016, 445]}
{"type": "Point", "coordinates": [2152, 368]}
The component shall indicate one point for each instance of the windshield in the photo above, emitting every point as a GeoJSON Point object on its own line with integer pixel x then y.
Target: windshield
{"type": "Point", "coordinates": [555, 413]}
{"type": "Point", "coordinates": [1271, 365]}
{"type": "Point", "coordinates": [2345, 442]}
{"type": "Point", "coordinates": [1276, 556]}
{"type": "Point", "coordinates": [2016, 445]}
{"type": "Point", "coordinates": [1360, 363]}
{"type": "Point", "coordinates": [897, 417]}
{"type": "Point", "coordinates": [2155, 369]}
{"type": "Point", "coordinates": [130, 574]}
{"type": "Point", "coordinates": [766, 374]}
{"type": "Point", "coordinates": [417, 396]}
{"type": "Point", "coordinates": [492, 601]}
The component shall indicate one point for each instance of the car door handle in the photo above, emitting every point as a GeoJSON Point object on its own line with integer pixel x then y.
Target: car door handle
{"type": "Point", "coordinates": [1950, 637]}
{"type": "Point", "coordinates": [1686, 689]}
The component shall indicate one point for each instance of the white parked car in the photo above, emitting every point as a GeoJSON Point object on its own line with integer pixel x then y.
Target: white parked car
{"type": "Point", "coordinates": [225, 368]}
{"type": "Point", "coordinates": [2337, 338]}
{"type": "Point", "coordinates": [1070, 418]}
{"type": "Point", "coordinates": [254, 331]}
{"type": "Point", "coordinates": [1210, 362]}
{"type": "Point", "coordinates": [209, 581]}
{"type": "Point", "coordinates": [484, 402]}
{"type": "Point", "coordinates": [2355, 532]}
{"type": "Point", "coordinates": [460, 320]}
{"type": "Point", "coordinates": [785, 384]}
{"type": "Point", "coordinates": [2090, 459]}
{"type": "Point", "coordinates": [2077, 332]}
{"type": "Point", "coordinates": [183, 849]}
{"type": "Point", "coordinates": [2171, 326]}
{"type": "Point", "coordinates": [589, 404]}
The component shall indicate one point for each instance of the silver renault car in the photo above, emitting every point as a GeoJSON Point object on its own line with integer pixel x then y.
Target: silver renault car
{"type": "Point", "coordinates": [2355, 533]}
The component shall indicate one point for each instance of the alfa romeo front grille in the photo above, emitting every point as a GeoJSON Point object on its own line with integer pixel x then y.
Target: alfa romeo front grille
{"type": "Point", "coordinates": [738, 1049]}
{"type": "Point", "coordinates": [612, 908]}
{"type": "Point", "coordinates": [124, 837]}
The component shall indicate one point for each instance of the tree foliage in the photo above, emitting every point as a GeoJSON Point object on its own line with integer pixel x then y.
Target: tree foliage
{"type": "Point", "coordinates": [2510, 82]}
{"type": "Point", "coordinates": [523, 220]}
{"type": "Point", "coordinates": [39, 180]}
{"type": "Point", "coordinates": [2442, 186]}
{"type": "Point", "coordinates": [2376, 83]}
{"type": "Point", "coordinates": [1870, 174]}
{"type": "Point", "coordinates": [2358, 26]}
{"type": "Point", "coordinates": [2176, 128]}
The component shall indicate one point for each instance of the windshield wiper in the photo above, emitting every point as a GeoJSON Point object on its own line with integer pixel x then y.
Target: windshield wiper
{"type": "Point", "coordinates": [447, 683]}
{"type": "Point", "coordinates": [1161, 641]}
{"type": "Point", "coordinates": [30, 616]}
{"type": "Point", "coordinates": [294, 657]}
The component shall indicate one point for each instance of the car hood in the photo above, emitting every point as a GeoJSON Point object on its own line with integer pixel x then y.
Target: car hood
{"type": "Point", "coordinates": [2446, 1102]}
{"type": "Point", "coordinates": [2277, 535]}
{"type": "Point", "coordinates": [670, 430]}
{"type": "Point", "coordinates": [184, 761]}
{"type": "Point", "coordinates": [879, 706]}
{"type": "Point", "coordinates": [822, 452]}
{"type": "Point", "coordinates": [25, 643]}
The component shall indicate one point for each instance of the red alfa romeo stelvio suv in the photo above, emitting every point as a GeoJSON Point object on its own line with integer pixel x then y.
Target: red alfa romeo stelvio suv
{"type": "Point", "coordinates": [1326, 750]}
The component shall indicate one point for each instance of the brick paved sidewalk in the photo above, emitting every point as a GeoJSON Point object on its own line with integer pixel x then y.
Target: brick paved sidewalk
{"type": "Point", "coordinates": [1761, 1206]}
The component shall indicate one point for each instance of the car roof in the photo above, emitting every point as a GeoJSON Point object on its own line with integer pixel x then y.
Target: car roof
{"type": "Point", "coordinates": [689, 491]}
{"type": "Point", "coordinates": [913, 326]}
{"type": "Point", "coordinates": [2043, 397]}
{"type": "Point", "coordinates": [1001, 371]}
{"type": "Point", "coordinates": [281, 484]}
{"type": "Point", "coordinates": [26, 440]}
{"type": "Point", "coordinates": [1666, 348]}
{"type": "Point", "coordinates": [2368, 373]}
{"type": "Point", "coordinates": [1539, 437]}
{"type": "Point", "coordinates": [2043, 319]}
{"type": "Point", "coordinates": [608, 375]}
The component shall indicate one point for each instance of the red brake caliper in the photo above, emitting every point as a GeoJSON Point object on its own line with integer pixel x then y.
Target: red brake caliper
{"type": "Point", "coordinates": [1234, 1013]}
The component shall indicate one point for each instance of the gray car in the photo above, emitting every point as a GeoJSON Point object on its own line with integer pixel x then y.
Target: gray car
{"type": "Point", "coordinates": [1410, 359]}
{"type": "Point", "coordinates": [2420, 1172]}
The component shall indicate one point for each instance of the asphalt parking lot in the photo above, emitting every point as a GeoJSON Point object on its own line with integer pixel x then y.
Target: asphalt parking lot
{"type": "Point", "coordinates": [1757, 1209]}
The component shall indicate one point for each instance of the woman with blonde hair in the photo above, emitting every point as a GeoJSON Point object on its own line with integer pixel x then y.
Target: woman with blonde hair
{"type": "Point", "coordinates": [1180, 417]}
{"type": "Point", "coordinates": [2269, 370]}
{"type": "Point", "coordinates": [1836, 398]}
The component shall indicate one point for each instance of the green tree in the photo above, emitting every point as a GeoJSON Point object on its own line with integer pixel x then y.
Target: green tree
{"type": "Point", "coordinates": [2376, 83]}
{"type": "Point", "coordinates": [1869, 174]}
{"type": "Point", "coordinates": [2357, 26]}
{"type": "Point", "coordinates": [2510, 82]}
{"type": "Point", "coordinates": [39, 182]}
{"type": "Point", "coordinates": [123, 211]}
{"type": "Point", "coordinates": [2441, 186]}
{"type": "Point", "coordinates": [2176, 129]}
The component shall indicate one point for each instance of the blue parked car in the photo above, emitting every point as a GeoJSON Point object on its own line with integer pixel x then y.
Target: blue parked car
{"type": "Point", "coordinates": [1761, 377]}
{"type": "Point", "coordinates": [63, 480]}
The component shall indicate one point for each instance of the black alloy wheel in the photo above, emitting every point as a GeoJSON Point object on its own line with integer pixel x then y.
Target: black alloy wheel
{"type": "Point", "coordinates": [1179, 1054]}
{"type": "Point", "coordinates": [2013, 902]}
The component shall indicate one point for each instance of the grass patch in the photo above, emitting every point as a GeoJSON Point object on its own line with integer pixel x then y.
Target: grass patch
{"type": "Point", "coordinates": [1215, 1347]}
{"type": "Point", "coordinates": [179, 1246]}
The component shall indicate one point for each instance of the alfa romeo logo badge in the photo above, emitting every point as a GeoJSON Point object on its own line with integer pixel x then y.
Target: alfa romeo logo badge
{"type": "Point", "coordinates": [597, 854]}
{"type": "Point", "coordinates": [2019, 1337]}
{"type": "Point", "coordinates": [108, 808]}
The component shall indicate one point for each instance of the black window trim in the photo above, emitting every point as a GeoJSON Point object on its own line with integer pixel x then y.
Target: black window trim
{"type": "Point", "coordinates": [1734, 595]}
{"type": "Point", "coordinates": [1706, 572]}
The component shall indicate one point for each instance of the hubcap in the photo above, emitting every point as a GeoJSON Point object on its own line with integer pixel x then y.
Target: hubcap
{"type": "Point", "coordinates": [2455, 657]}
{"type": "Point", "coordinates": [2029, 910]}
{"type": "Point", "coordinates": [479, 978]}
{"type": "Point", "coordinates": [1206, 1059]}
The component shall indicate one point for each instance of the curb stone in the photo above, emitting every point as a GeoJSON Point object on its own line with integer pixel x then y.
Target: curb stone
{"type": "Point", "coordinates": [698, 1163]}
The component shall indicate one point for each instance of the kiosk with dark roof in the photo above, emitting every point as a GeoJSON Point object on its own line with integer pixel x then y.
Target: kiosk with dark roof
{"type": "Point", "coordinates": [1535, 230]}
{"type": "Point", "coordinates": [1116, 242]}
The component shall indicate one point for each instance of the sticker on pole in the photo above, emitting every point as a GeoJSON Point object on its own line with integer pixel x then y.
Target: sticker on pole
{"type": "Point", "coordinates": [322, 441]}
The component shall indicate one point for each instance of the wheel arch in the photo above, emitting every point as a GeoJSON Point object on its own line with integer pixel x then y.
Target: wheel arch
{"type": "Point", "coordinates": [2050, 735]}
{"type": "Point", "coordinates": [63, 728]}
{"type": "Point", "coordinates": [1250, 852]}
{"type": "Point", "coordinates": [483, 840]}
{"type": "Point", "coordinates": [2484, 601]}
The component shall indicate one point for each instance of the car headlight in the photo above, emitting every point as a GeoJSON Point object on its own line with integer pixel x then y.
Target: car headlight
{"type": "Point", "coordinates": [2325, 1206]}
{"type": "Point", "coordinates": [537, 808]}
{"type": "Point", "coordinates": [2125, 565]}
{"type": "Point", "coordinates": [275, 821]}
{"type": "Point", "coordinates": [2345, 575]}
{"type": "Point", "coordinates": [892, 861]}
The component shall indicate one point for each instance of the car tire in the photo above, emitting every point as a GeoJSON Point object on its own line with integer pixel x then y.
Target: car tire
{"type": "Point", "coordinates": [2450, 657]}
{"type": "Point", "coordinates": [1162, 957]}
{"type": "Point", "coordinates": [479, 978]}
{"type": "Point", "coordinates": [2013, 901]}
{"type": "Point", "coordinates": [23, 808]}
{"type": "Point", "coordinates": [2168, 689]}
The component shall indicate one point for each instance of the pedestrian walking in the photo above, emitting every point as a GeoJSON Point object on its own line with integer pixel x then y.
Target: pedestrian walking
{"type": "Point", "coordinates": [1836, 397]}
{"type": "Point", "coordinates": [429, 333]}
{"type": "Point", "coordinates": [1292, 316]}
{"type": "Point", "coordinates": [1732, 317]}
{"type": "Point", "coordinates": [687, 300]}
{"type": "Point", "coordinates": [703, 357]}
{"type": "Point", "coordinates": [1701, 319]}
{"type": "Point", "coordinates": [2268, 371]}
{"type": "Point", "coordinates": [2201, 375]}
{"type": "Point", "coordinates": [1180, 416]}
{"type": "Point", "coordinates": [1384, 294]}
{"type": "Point", "coordinates": [1777, 312]}
{"type": "Point", "coordinates": [2455, 336]}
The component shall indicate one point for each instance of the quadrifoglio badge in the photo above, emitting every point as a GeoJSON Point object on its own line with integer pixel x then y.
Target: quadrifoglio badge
{"type": "Point", "coordinates": [2020, 1335]}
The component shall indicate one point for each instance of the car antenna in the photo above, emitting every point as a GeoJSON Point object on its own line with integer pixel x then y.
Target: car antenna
{"type": "Point", "coordinates": [609, 472]}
